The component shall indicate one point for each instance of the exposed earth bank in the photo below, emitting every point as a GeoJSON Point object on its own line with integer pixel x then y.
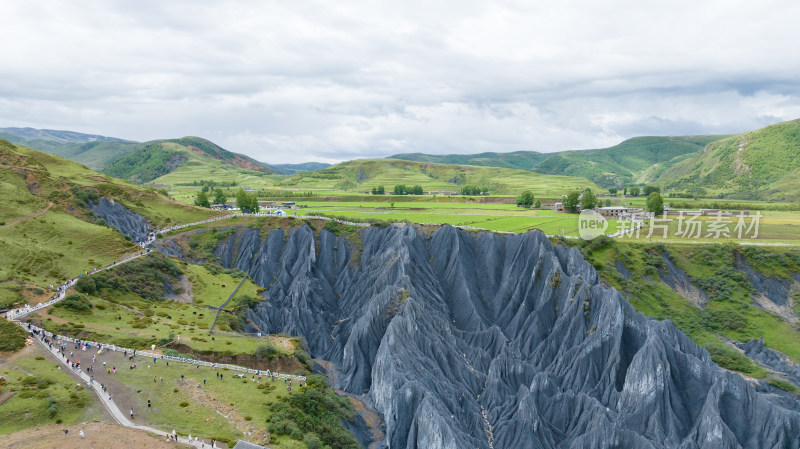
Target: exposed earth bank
{"type": "Point", "coordinates": [464, 340]}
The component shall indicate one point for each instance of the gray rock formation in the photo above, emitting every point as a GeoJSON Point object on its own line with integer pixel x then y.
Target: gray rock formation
{"type": "Point", "coordinates": [465, 340]}
{"type": "Point", "coordinates": [772, 359]}
{"type": "Point", "coordinates": [121, 218]}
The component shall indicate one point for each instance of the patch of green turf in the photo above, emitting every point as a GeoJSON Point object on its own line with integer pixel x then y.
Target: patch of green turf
{"type": "Point", "coordinates": [43, 394]}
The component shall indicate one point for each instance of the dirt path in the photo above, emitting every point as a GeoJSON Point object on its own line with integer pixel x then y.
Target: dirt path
{"type": "Point", "coordinates": [28, 217]}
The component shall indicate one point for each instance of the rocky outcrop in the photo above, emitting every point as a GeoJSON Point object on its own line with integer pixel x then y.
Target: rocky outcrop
{"type": "Point", "coordinates": [774, 360]}
{"type": "Point", "coordinates": [121, 218]}
{"type": "Point", "coordinates": [463, 340]}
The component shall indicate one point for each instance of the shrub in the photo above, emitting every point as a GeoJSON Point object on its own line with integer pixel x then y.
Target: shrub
{"type": "Point", "coordinates": [184, 404]}
{"type": "Point", "coordinates": [77, 303]}
{"type": "Point", "coordinates": [266, 350]}
{"type": "Point", "coordinates": [12, 337]}
{"type": "Point", "coordinates": [734, 361]}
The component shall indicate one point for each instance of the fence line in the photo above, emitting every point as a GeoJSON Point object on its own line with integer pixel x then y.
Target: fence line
{"type": "Point", "coordinates": [148, 354]}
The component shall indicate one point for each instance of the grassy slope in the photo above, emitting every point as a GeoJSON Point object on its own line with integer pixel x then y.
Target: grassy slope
{"type": "Point", "coordinates": [632, 161]}
{"type": "Point", "coordinates": [184, 160]}
{"type": "Point", "coordinates": [524, 160]}
{"type": "Point", "coordinates": [761, 164]}
{"type": "Point", "coordinates": [123, 316]}
{"type": "Point", "coordinates": [291, 169]}
{"type": "Point", "coordinates": [730, 311]}
{"type": "Point", "coordinates": [364, 174]}
{"type": "Point", "coordinates": [64, 240]}
{"type": "Point", "coordinates": [36, 393]}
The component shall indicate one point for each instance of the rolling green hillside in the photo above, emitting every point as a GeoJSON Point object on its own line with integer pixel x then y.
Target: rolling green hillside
{"type": "Point", "coordinates": [761, 164]}
{"type": "Point", "coordinates": [95, 154]}
{"type": "Point", "coordinates": [183, 160]}
{"type": "Point", "coordinates": [636, 160]}
{"type": "Point", "coordinates": [524, 160]}
{"type": "Point", "coordinates": [291, 169]}
{"type": "Point", "coordinates": [364, 174]}
{"type": "Point", "coordinates": [47, 234]}
{"type": "Point", "coordinates": [56, 135]}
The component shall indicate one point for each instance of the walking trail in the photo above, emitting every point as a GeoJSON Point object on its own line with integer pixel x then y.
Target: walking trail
{"type": "Point", "coordinates": [27, 217]}
{"type": "Point", "coordinates": [106, 400]}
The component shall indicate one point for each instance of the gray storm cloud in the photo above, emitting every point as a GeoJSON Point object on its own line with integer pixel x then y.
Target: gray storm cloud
{"type": "Point", "coordinates": [289, 82]}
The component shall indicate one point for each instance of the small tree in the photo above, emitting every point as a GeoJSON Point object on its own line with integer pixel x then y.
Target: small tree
{"type": "Point", "coordinates": [381, 190]}
{"type": "Point", "coordinates": [647, 190]}
{"type": "Point", "coordinates": [417, 190]}
{"type": "Point", "coordinates": [202, 199]}
{"type": "Point", "coordinates": [608, 203]}
{"type": "Point", "coordinates": [538, 204]}
{"type": "Point", "coordinates": [634, 191]}
{"type": "Point", "coordinates": [400, 189]}
{"type": "Point", "coordinates": [242, 200]}
{"type": "Point", "coordinates": [655, 203]}
{"type": "Point", "coordinates": [612, 190]}
{"type": "Point", "coordinates": [220, 197]}
{"type": "Point", "coordinates": [246, 201]}
{"type": "Point", "coordinates": [588, 200]}
{"type": "Point", "coordinates": [525, 199]}
{"type": "Point", "coordinates": [571, 201]}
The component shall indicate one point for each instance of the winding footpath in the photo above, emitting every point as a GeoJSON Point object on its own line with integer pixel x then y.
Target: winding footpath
{"type": "Point", "coordinates": [105, 398]}
{"type": "Point", "coordinates": [16, 315]}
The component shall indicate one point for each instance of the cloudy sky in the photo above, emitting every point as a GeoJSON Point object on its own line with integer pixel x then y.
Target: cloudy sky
{"type": "Point", "coordinates": [295, 81]}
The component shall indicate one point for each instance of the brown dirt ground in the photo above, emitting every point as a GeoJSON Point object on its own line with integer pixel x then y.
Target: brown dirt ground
{"type": "Point", "coordinates": [97, 436]}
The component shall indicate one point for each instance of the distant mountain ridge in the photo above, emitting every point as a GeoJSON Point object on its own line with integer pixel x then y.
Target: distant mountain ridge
{"type": "Point", "coordinates": [60, 136]}
{"type": "Point", "coordinates": [524, 160]}
{"type": "Point", "coordinates": [291, 169]}
{"type": "Point", "coordinates": [362, 175]}
{"type": "Point", "coordinates": [760, 164]}
{"type": "Point", "coordinates": [161, 157]}
{"type": "Point", "coordinates": [138, 162]}
{"type": "Point", "coordinates": [632, 161]}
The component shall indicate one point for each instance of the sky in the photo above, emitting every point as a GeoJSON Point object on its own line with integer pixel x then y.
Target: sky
{"type": "Point", "coordinates": [298, 81]}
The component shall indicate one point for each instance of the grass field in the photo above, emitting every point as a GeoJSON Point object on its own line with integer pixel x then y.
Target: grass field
{"type": "Point", "coordinates": [127, 319]}
{"type": "Point", "coordinates": [496, 217]}
{"type": "Point", "coordinates": [47, 234]}
{"type": "Point", "coordinates": [52, 248]}
{"type": "Point", "coordinates": [202, 411]}
{"type": "Point", "coordinates": [42, 394]}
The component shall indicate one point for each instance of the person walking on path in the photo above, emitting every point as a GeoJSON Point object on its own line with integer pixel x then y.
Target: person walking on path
{"type": "Point", "coordinates": [81, 433]}
{"type": "Point", "coordinates": [131, 413]}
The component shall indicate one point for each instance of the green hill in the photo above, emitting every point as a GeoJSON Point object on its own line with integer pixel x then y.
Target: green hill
{"type": "Point", "coordinates": [635, 160]}
{"type": "Point", "coordinates": [142, 162]}
{"type": "Point", "coordinates": [761, 164]}
{"type": "Point", "coordinates": [95, 152]}
{"type": "Point", "coordinates": [291, 169]}
{"type": "Point", "coordinates": [524, 160]}
{"type": "Point", "coordinates": [363, 174]}
{"type": "Point", "coordinates": [60, 136]}
{"type": "Point", "coordinates": [187, 159]}
{"type": "Point", "coordinates": [47, 234]}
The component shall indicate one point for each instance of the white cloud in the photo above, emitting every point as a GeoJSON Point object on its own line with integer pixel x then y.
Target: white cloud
{"type": "Point", "coordinates": [286, 82]}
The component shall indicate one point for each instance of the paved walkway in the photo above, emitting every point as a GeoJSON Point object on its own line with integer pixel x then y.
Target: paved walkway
{"type": "Point", "coordinates": [106, 400]}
